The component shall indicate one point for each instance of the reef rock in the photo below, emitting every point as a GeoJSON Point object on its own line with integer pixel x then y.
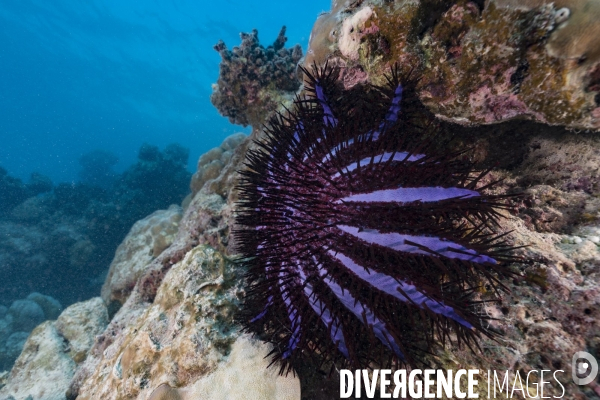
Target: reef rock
{"type": "Point", "coordinates": [478, 62]}
{"type": "Point", "coordinates": [79, 325]}
{"type": "Point", "coordinates": [145, 241]}
{"type": "Point", "coordinates": [43, 370]}
{"type": "Point", "coordinates": [254, 79]}
{"type": "Point", "coordinates": [211, 163]}
{"type": "Point", "coordinates": [186, 338]}
{"type": "Point", "coordinates": [51, 352]}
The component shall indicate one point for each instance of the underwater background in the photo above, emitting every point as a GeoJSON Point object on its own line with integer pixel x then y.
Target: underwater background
{"type": "Point", "coordinates": [104, 111]}
{"type": "Point", "coordinates": [111, 75]}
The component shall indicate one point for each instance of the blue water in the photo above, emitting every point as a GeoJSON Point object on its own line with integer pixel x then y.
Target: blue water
{"type": "Point", "coordinates": [111, 74]}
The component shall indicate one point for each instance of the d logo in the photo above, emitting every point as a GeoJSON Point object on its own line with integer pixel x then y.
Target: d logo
{"type": "Point", "coordinates": [584, 368]}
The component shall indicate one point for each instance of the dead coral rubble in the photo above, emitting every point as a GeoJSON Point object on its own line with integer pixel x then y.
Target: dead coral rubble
{"type": "Point", "coordinates": [254, 79]}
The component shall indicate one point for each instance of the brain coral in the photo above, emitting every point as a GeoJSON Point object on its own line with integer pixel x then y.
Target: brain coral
{"type": "Point", "coordinates": [367, 240]}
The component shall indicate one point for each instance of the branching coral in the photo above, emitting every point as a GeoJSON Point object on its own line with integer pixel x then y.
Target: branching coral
{"type": "Point", "coordinates": [253, 79]}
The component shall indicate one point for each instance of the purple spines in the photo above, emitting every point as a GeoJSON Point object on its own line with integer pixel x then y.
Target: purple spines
{"type": "Point", "coordinates": [364, 313]}
{"type": "Point", "coordinates": [332, 323]}
{"type": "Point", "coordinates": [406, 195]}
{"type": "Point", "coordinates": [329, 118]}
{"type": "Point", "coordinates": [392, 115]}
{"type": "Point", "coordinates": [426, 245]}
{"type": "Point", "coordinates": [264, 311]}
{"type": "Point", "coordinates": [403, 291]}
{"type": "Point", "coordinates": [295, 318]}
{"type": "Point", "coordinates": [379, 159]}
{"type": "Point", "coordinates": [296, 137]}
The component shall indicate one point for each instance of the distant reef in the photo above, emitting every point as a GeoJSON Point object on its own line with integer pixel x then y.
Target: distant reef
{"type": "Point", "coordinates": [60, 239]}
{"type": "Point", "coordinates": [19, 319]}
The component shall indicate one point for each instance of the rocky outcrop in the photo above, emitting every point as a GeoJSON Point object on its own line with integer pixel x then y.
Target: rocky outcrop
{"type": "Point", "coordinates": [79, 325]}
{"type": "Point", "coordinates": [477, 62]}
{"type": "Point", "coordinates": [211, 163]}
{"type": "Point", "coordinates": [52, 351]}
{"type": "Point", "coordinates": [145, 241]}
{"type": "Point", "coordinates": [43, 370]}
{"type": "Point", "coordinates": [186, 340]}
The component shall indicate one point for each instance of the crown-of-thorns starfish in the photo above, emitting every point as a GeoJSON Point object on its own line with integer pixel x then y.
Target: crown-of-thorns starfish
{"type": "Point", "coordinates": [366, 239]}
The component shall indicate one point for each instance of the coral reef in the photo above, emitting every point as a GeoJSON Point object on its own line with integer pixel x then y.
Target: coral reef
{"type": "Point", "coordinates": [13, 191]}
{"type": "Point", "coordinates": [186, 343]}
{"type": "Point", "coordinates": [544, 319]}
{"type": "Point", "coordinates": [96, 168]}
{"type": "Point", "coordinates": [79, 324]}
{"type": "Point", "coordinates": [156, 180]}
{"type": "Point", "coordinates": [254, 79]}
{"type": "Point", "coordinates": [67, 234]}
{"type": "Point", "coordinates": [211, 163]}
{"type": "Point", "coordinates": [43, 370]}
{"type": "Point", "coordinates": [145, 241]}
{"type": "Point", "coordinates": [577, 30]}
{"type": "Point", "coordinates": [51, 307]}
{"type": "Point", "coordinates": [479, 62]}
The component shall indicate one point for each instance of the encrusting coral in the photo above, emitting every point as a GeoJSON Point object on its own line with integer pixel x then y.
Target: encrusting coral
{"type": "Point", "coordinates": [577, 29]}
{"type": "Point", "coordinates": [478, 62]}
{"type": "Point", "coordinates": [254, 79]}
